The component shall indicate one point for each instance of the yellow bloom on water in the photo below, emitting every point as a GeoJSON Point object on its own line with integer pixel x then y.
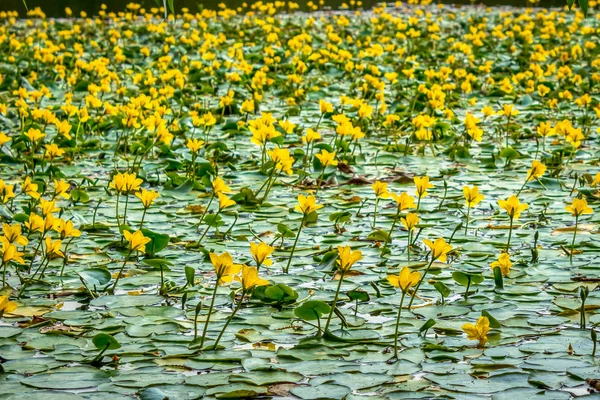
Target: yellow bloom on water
{"type": "Point", "coordinates": [137, 240]}
{"type": "Point", "coordinates": [224, 266]}
{"type": "Point", "coordinates": [422, 184]}
{"type": "Point", "coordinates": [410, 221]}
{"type": "Point", "coordinates": [307, 204]}
{"type": "Point", "coordinates": [224, 201]}
{"type": "Point", "coordinates": [261, 252]}
{"type": "Point", "coordinates": [508, 110]}
{"type": "Point", "coordinates": [53, 248]}
{"type": "Point", "coordinates": [347, 257]}
{"type": "Point", "coordinates": [250, 278]}
{"type": "Point", "coordinates": [325, 107]}
{"type": "Point", "coordinates": [439, 248]}
{"type": "Point", "coordinates": [219, 186]}
{"type": "Point", "coordinates": [478, 331]}
{"type": "Point", "coordinates": [326, 158]}
{"type": "Point", "coordinates": [404, 201]}
{"type": "Point", "coordinates": [48, 207]}
{"type": "Point", "coordinates": [12, 233]}
{"type": "Point", "coordinates": [405, 279]}
{"type": "Point", "coordinates": [512, 206]}
{"type": "Point", "coordinates": [536, 171]}
{"type": "Point", "coordinates": [10, 252]}
{"type": "Point", "coordinates": [147, 197]}
{"type": "Point", "coordinates": [579, 207]}
{"type": "Point", "coordinates": [380, 189]}
{"type": "Point", "coordinates": [6, 306]}
{"type": "Point", "coordinates": [472, 196]}
{"type": "Point", "coordinates": [503, 263]}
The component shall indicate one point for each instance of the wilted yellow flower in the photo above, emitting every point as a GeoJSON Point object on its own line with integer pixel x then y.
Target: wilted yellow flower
{"type": "Point", "coordinates": [478, 331]}
{"type": "Point", "coordinates": [439, 248]}
{"type": "Point", "coordinates": [503, 263]}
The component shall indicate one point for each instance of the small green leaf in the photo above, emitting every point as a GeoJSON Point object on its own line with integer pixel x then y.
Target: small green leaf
{"type": "Point", "coordinates": [102, 340]}
{"type": "Point", "coordinates": [312, 309]}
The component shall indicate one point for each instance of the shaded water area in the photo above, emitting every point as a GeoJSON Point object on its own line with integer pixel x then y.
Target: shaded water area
{"type": "Point", "coordinates": [91, 7]}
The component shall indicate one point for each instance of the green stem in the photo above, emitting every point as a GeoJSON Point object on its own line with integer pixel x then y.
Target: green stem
{"type": "Point", "coordinates": [35, 252]}
{"type": "Point", "coordinates": [208, 227]}
{"type": "Point", "coordinates": [574, 235]}
{"type": "Point", "coordinates": [143, 216]}
{"type": "Point", "coordinates": [121, 271]}
{"type": "Point", "coordinates": [212, 304]}
{"type": "Point", "coordinates": [235, 310]}
{"type": "Point", "coordinates": [509, 234]}
{"type": "Point", "coordinates": [205, 210]}
{"type": "Point", "coordinates": [397, 325]}
{"type": "Point", "coordinates": [468, 215]}
{"type": "Point", "coordinates": [375, 213]}
{"type": "Point", "coordinates": [287, 268]}
{"type": "Point", "coordinates": [4, 264]}
{"type": "Point", "coordinates": [66, 258]}
{"type": "Point", "coordinates": [337, 293]}
{"type": "Point", "coordinates": [389, 239]}
{"type": "Point", "coordinates": [319, 181]}
{"type": "Point", "coordinates": [412, 298]}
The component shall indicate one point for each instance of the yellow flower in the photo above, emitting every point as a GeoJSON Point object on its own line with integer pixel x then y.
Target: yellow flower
{"type": "Point", "coordinates": [6, 307]}
{"type": "Point", "coordinates": [487, 111]}
{"type": "Point", "coordinates": [503, 263]}
{"type": "Point", "coordinates": [439, 248]}
{"type": "Point", "coordinates": [60, 188]}
{"type": "Point", "coordinates": [250, 278]}
{"type": "Point", "coordinates": [66, 229]}
{"type": "Point", "coordinates": [282, 159]}
{"type": "Point", "coordinates": [12, 233]}
{"type": "Point", "coordinates": [512, 206]}
{"type": "Point", "coordinates": [30, 188]}
{"type": "Point", "coordinates": [545, 129]}
{"type": "Point", "coordinates": [261, 252]}
{"type": "Point", "coordinates": [347, 257]}
{"type": "Point", "coordinates": [287, 126]}
{"type": "Point", "coordinates": [10, 252]}
{"type": "Point", "coordinates": [472, 196]}
{"type": "Point", "coordinates": [325, 107]}
{"type": "Point", "coordinates": [478, 331]}
{"type": "Point", "coordinates": [405, 279]}
{"type": "Point", "coordinates": [147, 197]}
{"type": "Point", "coordinates": [35, 223]}
{"type": "Point", "coordinates": [224, 267]}
{"type": "Point", "coordinates": [508, 111]}
{"type": "Point", "coordinates": [126, 183]}
{"type": "Point", "coordinates": [380, 189]}
{"type": "Point", "coordinates": [422, 184]}
{"type": "Point", "coordinates": [48, 207]}
{"type": "Point", "coordinates": [52, 151]}
{"type": "Point", "coordinates": [410, 221]}
{"type": "Point", "coordinates": [536, 171]}
{"type": "Point", "coordinates": [579, 207]}
{"type": "Point", "coordinates": [53, 248]}
{"type": "Point", "coordinates": [307, 204]}
{"type": "Point", "coordinates": [219, 186]}
{"type": "Point", "coordinates": [34, 135]}
{"type": "Point", "coordinates": [4, 138]}
{"type": "Point", "coordinates": [224, 201]}
{"type": "Point", "coordinates": [404, 201]}
{"type": "Point", "coordinates": [7, 192]}
{"type": "Point", "coordinates": [326, 158]}
{"type": "Point", "coordinates": [310, 136]}
{"type": "Point", "coordinates": [137, 240]}
{"type": "Point", "coordinates": [194, 145]}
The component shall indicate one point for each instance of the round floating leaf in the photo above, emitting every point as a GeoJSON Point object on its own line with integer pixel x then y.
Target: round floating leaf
{"type": "Point", "coordinates": [102, 340]}
{"type": "Point", "coordinates": [312, 309]}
